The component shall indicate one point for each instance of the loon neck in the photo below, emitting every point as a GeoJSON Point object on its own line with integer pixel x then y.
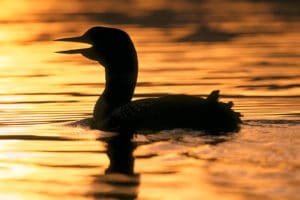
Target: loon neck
{"type": "Point", "coordinates": [119, 86]}
{"type": "Point", "coordinates": [119, 89]}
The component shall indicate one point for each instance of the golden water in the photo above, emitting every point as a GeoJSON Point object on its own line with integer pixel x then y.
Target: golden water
{"type": "Point", "coordinates": [248, 49]}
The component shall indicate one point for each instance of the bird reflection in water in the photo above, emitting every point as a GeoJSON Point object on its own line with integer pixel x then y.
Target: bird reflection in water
{"type": "Point", "coordinates": [119, 180]}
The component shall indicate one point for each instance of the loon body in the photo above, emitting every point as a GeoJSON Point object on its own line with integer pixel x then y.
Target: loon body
{"type": "Point", "coordinates": [114, 110]}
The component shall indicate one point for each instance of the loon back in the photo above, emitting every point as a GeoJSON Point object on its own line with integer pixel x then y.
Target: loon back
{"type": "Point", "coordinates": [174, 111]}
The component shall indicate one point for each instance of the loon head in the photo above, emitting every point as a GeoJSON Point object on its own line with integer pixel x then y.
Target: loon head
{"type": "Point", "coordinates": [110, 46]}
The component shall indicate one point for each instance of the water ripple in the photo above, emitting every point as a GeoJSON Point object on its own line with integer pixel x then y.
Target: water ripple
{"type": "Point", "coordinates": [270, 86]}
{"type": "Point", "coordinates": [34, 137]}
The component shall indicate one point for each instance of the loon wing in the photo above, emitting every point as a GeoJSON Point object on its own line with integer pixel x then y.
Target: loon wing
{"type": "Point", "coordinates": [175, 111]}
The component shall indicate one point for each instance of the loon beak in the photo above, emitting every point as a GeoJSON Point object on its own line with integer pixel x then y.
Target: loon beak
{"type": "Point", "coordinates": [80, 39]}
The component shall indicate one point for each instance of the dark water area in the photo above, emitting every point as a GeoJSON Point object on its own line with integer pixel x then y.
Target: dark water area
{"type": "Point", "coordinates": [247, 49]}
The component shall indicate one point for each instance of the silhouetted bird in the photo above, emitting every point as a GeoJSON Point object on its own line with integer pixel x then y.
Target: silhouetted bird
{"type": "Point", "coordinates": [114, 110]}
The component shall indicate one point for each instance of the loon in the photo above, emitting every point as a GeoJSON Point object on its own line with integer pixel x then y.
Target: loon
{"type": "Point", "coordinates": [115, 111]}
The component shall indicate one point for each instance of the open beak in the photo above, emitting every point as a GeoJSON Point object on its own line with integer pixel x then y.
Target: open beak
{"type": "Point", "coordinates": [80, 39]}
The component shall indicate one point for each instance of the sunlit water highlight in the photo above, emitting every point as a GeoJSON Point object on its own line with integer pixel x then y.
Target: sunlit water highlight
{"type": "Point", "coordinates": [249, 50]}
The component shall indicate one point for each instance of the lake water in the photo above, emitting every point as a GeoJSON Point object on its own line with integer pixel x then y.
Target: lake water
{"type": "Point", "coordinates": [249, 50]}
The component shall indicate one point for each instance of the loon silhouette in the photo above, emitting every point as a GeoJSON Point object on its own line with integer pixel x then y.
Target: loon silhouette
{"type": "Point", "coordinates": [114, 110]}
